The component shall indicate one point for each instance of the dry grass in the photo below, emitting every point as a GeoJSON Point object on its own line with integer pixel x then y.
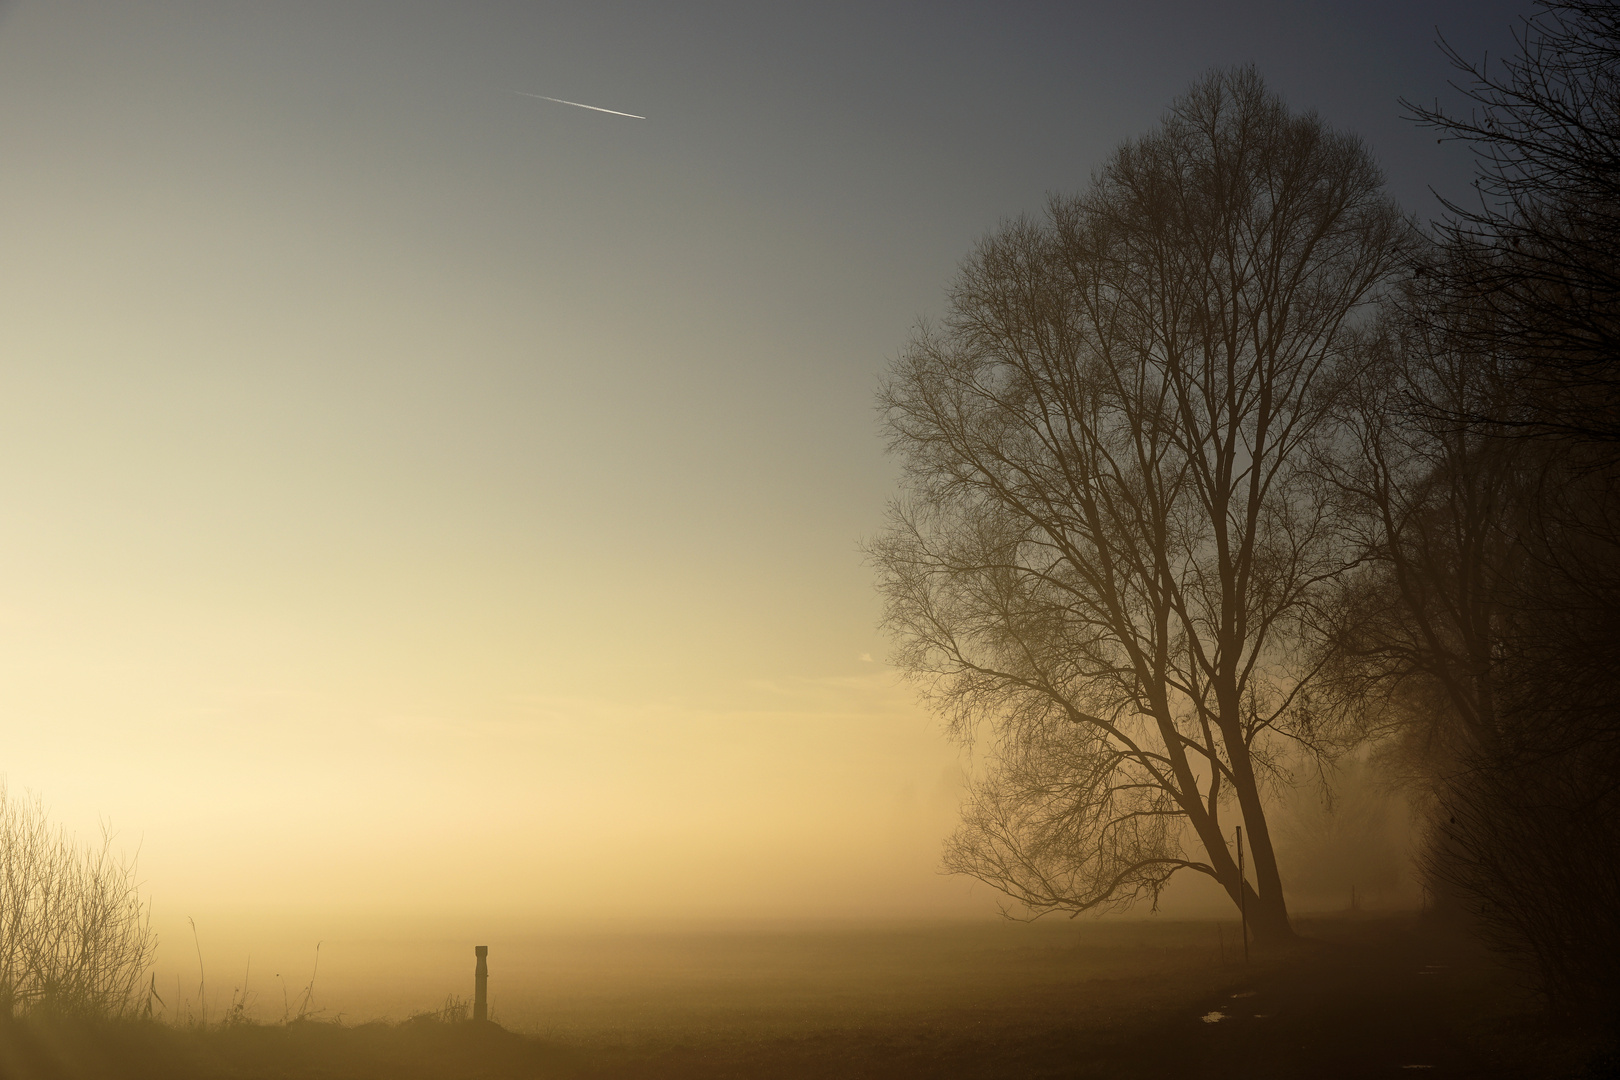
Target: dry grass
{"type": "Point", "coordinates": [1366, 998]}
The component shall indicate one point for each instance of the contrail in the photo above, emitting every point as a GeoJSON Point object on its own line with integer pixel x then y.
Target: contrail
{"type": "Point", "coordinates": [577, 105]}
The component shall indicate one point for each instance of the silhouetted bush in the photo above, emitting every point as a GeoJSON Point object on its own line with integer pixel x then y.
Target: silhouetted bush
{"type": "Point", "coordinates": [75, 936]}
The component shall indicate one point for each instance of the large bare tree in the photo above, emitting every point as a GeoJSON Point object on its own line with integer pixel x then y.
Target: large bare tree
{"type": "Point", "coordinates": [1109, 538]}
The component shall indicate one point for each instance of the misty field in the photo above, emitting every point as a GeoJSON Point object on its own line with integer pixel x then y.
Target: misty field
{"type": "Point", "coordinates": [1138, 998]}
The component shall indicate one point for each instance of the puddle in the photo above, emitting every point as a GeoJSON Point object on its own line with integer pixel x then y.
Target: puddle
{"type": "Point", "coordinates": [1246, 993]}
{"type": "Point", "coordinates": [1214, 1017]}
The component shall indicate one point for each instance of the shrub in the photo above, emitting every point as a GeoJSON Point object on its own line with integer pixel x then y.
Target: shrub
{"type": "Point", "coordinates": [75, 936]}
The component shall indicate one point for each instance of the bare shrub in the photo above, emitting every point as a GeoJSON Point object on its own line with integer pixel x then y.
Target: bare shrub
{"type": "Point", "coordinates": [75, 936]}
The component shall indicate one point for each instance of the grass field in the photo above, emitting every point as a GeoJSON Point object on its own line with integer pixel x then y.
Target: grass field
{"type": "Point", "coordinates": [1148, 998]}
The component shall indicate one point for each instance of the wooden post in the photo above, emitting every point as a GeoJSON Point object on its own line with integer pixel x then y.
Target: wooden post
{"type": "Point", "coordinates": [481, 984]}
{"type": "Point", "coordinates": [1243, 907]}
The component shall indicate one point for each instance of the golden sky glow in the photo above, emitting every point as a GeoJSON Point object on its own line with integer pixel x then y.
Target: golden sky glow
{"type": "Point", "coordinates": [421, 501]}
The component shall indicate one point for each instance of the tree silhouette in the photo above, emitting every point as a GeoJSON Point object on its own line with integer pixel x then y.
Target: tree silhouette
{"type": "Point", "coordinates": [1110, 538]}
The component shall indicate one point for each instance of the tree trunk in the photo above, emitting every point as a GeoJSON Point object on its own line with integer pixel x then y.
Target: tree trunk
{"type": "Point", "coordinates": [1268, 911]}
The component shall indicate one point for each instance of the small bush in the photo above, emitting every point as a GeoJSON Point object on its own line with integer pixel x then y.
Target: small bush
{"type": "Point", "coordinates": [75, 936]}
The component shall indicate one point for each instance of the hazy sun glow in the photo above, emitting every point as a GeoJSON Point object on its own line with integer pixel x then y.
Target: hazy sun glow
{"type": "Point", "coordinates": [427, 513]}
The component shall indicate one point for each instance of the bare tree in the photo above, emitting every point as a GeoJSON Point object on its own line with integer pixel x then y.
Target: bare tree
{"type": "Point", "coordinates": [1478, 640]}
{"type": "Point", "coordinates": [1417, 626]}
{"type": "Point", "coordinates": [1110, 539]}
{"type": "Point", "coordinates": [1540, 249]}
{"type": "Point", "coordinates": [1482, 636]}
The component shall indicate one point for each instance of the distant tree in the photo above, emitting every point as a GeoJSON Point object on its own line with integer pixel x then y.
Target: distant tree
{"type": "Point", "coordinates": [1479, 640]}
{"type": "Point", "coordinates": [1111, 539]}
{"type": "Point", "coordinates": [1417, 626]}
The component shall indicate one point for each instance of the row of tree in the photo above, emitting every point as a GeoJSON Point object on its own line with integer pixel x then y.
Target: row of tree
{"type": "Point", "coordinates": [1224, 462]}
{"type": "Point", "coordinates": [1487, 628]}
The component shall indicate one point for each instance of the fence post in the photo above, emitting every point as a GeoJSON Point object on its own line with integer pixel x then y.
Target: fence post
{"type": "Point", "coordinates": [1243, 906]}
{"type": "Point", "coordinates": [481, 984]}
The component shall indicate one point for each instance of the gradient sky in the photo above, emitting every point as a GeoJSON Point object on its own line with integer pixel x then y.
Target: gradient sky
{"type": "Point", "coordinates": [422, 500]}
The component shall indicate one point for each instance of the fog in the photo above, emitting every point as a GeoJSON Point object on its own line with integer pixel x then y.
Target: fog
{"type": "Point", "coordinates": [428, 501]}
{"type": "Point", "coordinates": [439, 516]}
{"type": "Point", "coordinates": [779, 951]}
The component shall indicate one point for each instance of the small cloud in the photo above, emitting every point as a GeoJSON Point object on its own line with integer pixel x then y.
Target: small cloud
{"type": "Point", "coordinates": [866, 658]}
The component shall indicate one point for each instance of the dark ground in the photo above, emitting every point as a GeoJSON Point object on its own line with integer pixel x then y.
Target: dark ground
{"type": "Point", "coordinates": [1368, 998]}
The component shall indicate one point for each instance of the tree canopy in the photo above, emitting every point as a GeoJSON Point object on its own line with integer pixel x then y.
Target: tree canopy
{"type": "Point", "coordinates": [1110, 540]}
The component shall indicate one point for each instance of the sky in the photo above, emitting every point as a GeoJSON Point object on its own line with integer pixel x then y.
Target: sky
{"type": "Point", "coordinates": [421, 501]}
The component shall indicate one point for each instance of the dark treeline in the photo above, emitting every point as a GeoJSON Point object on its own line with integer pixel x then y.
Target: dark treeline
{"type": "Point", "coordinates": [1484, 634]}
{"type": "Point", "coordinates": [1223, 461]}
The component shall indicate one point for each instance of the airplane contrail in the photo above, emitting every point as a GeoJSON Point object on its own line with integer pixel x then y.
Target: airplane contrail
{"type": "Point", "coordinates": [578, 105]}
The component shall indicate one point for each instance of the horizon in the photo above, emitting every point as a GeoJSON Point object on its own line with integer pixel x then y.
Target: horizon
{"type": "Point", "coordinates": [428, 507]}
